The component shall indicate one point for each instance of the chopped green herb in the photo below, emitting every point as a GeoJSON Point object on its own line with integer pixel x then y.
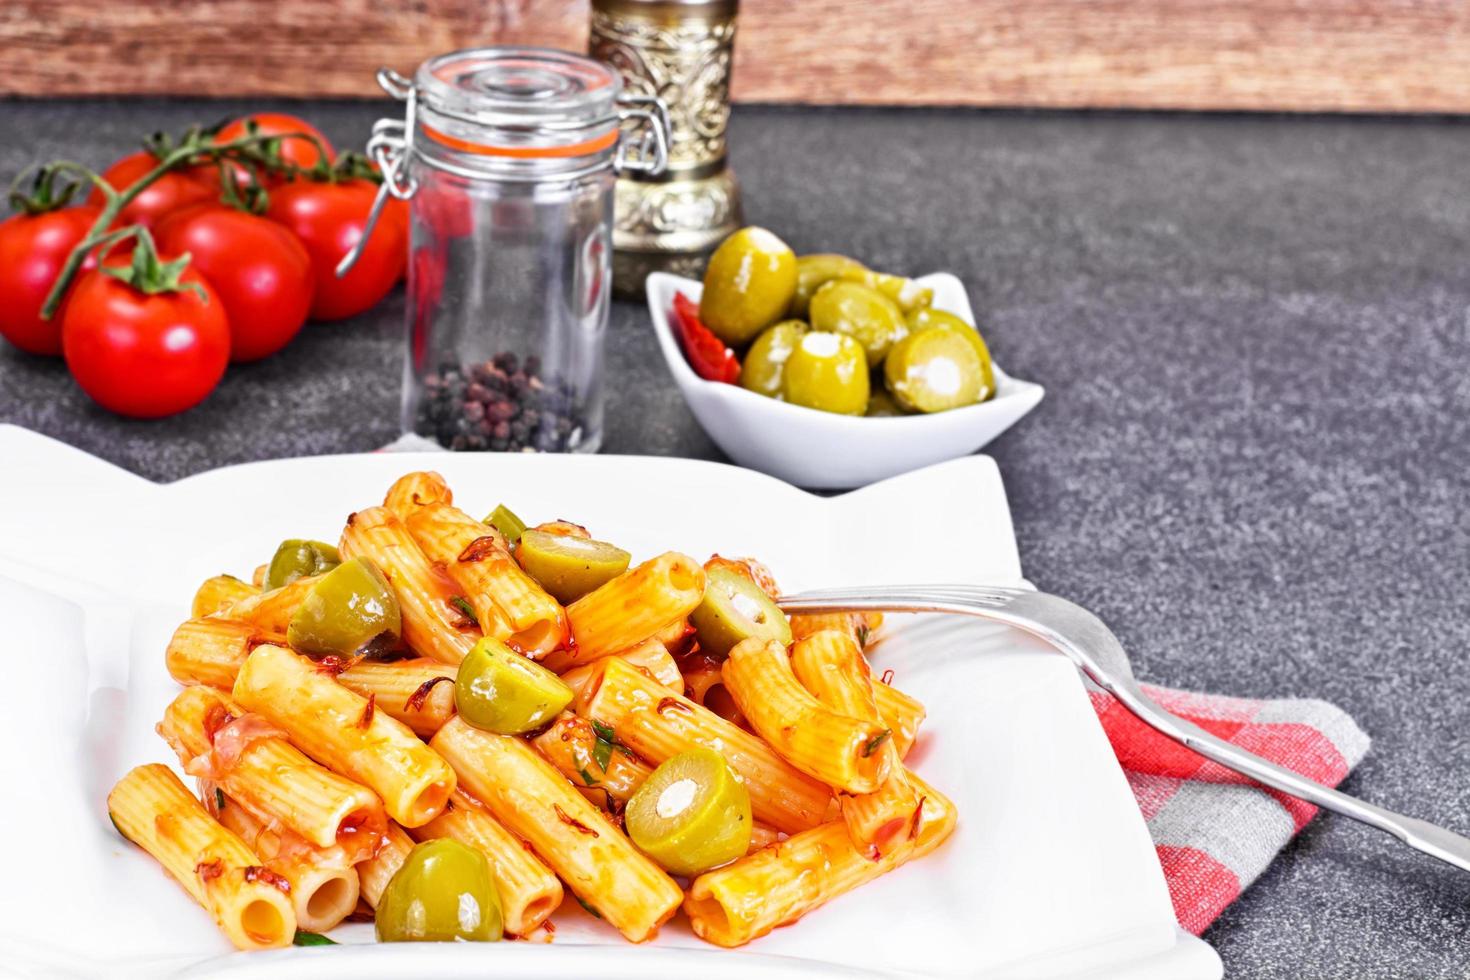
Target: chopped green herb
{"type": "Point", "coordinates": [862, 635]}
{"type": "Point", "coordinates": [875, 741]}
{"type": "Point", "coordinates": [607, 740]}
{"type": "Point", "coordinates": [463, 605]}
{"type": "Point", "coordinates": [219, 798]}
{"type": "Point", "coordinates": [590, 910]}
{"type": "Point", "coordinates": [586, 776]}
{"type": "Point", "coordinates": [304, 938]}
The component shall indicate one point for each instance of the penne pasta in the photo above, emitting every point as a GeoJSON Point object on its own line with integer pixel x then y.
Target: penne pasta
{"type": "Point", "coordinates": [634, 606]}
{"type": "Point", "coordinates": [419, 693]}
{"type": "Point", "coordinates": [840, 750]}
{"type": "Point", "coordinates": [657, 724]}
{"type": "Point", "coordinates": [271, 611]}
{"type": "Point", "coordinates": [150, 807]}
{"type": "Point", "coordinates": [414, 490]}
{"type": "Point", "coordinates": [511, 605]}
{"type": "Point", "coordinates": [777, 885]}
{"type": "Point", "coordinates": [344, 731]}
{"type": "Point", "coordinates": [648, 656]}
{"type": "Point", "coordinates": [324, 886]}
{"type": "Point", "coordinates": [218, 593]}
{"type": "Point", "coordinates": [530, 798]}
{"type": "Point", "coordinates": [375, 873]}
{"type": "Point", "coordinates": [900, 714]}
{"type": "Point", "coordinates": [830, 665]}
{"type": "Point", "coordinates": [603, 775]}
{"type": "Point", "coordinates": [529, 892]}
{"type": "Point", "coordinates": [217, 739]}
{"type": "Point", "coordinates": [432, 625]}
{"type": "Point", "coordinates": [211, 650]}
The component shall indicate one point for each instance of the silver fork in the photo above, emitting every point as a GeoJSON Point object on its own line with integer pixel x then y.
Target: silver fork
{"type": "Point", "coordinates": [1094, 650]}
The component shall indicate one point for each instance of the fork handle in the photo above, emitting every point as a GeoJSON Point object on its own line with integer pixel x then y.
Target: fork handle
{"type": "Point", "coordinates": [1419, 834]}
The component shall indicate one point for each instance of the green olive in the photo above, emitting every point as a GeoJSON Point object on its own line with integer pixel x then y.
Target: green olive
{"type": "Point", "coordinates": [862, 313]}
{"type": "Point", "coordinates": [883, 405]}
{"type": "Point", "coordinates": [905, 292]}
{"type": "Point", "coordinates": [504, 520]}
{"type": "Point", "coordinates": [569, 567]}
{"type": "Point", "coordinates": [748, 285]}
{"type": "Point", "coordinates": [928, 317]}
{"type": "Point", "coordinates": [815, 271]}
{"type": "Point", "coordinates": [733, 609]}
{"type": "Point", "coordinates": [691, 814]}
{"type": "Point", "coordinates": [444, 893]}
{"type": "Point", "coordinates": [827, 371]}
{"type": "Point", "coordinates": [348, 608]}
{"type": "Point", "coordinates": [934, 370]}
{"type": "Point", "coordinates": [501, 691]}
{"type": "Point", "coordinates": [765, 362]}
{"type": "Point", "coordinates": [296, 558]}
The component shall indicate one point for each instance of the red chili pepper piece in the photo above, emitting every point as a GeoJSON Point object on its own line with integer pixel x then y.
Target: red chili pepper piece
{"type": "Point", "coordinates": [707, 354]}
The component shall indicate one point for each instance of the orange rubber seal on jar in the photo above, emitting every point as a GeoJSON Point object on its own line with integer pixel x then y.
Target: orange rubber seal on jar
{"type": "Point", "coordinates": [525, 152]}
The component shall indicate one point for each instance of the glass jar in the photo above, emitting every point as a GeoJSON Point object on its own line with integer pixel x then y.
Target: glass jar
{"type": "Point", "coordinates": [507, 157]}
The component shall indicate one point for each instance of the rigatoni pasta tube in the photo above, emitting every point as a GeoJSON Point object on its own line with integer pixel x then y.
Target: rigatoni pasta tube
{"type": "Point", "coordinates": [219, 593]}
{"type": "Point", "coordinates": [530, 798]}
{"type": "Point", "coordinates": [634, 606]}
{"type": "Point", "coordinates": [432, 625]}
{"type": "Point", "coordinates": [649, 656]}
{"type": "Point", "coordinates": [511, 605]}
{"type": "Point", "coordinates": [830, 664]}
{"type": "Point", "coordinates": [529, 892]}
{"type": "Point", "coordinates": [858, 625]}
{"type": "Point", "coordinates": [839, 750]}
{"type": "Point", "coordinates": [346, 733]}
{"type": "Point", "coordinates": [570, 744]}
{"type": "Point", "coordinates": [211, 650]}
{"type": "Point", "coordinates": [375, 873]}
{"type": "Point", "coordinates": [217, 739]}
{"type": "Point", "coordinates": [777, 885]}
{"type": "Point", "coordinates": [271, 611]}
{"type": "Point", "coordinates": [324, 886]}
{"type": "Point", "coordinates": [901, 714]}
{"type": "Point", "coordinates": [419, 693]}
{"type": "Point", "coordinates": [150, 807]}
{"type": "Point", "coordinates": [658, 724]}
{"type": "Point", "coordinates": [414, 490]}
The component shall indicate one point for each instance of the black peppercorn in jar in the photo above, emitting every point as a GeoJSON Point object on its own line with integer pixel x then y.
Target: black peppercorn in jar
{"type": "Point", "coordinates": [507, 157]}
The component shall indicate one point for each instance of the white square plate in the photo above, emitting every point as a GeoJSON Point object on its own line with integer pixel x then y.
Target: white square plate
{"type": "Point", "coordinates": [1050, 873]}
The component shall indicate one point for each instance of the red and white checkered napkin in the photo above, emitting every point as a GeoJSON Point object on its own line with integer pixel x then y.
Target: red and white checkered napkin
{"type": "Point", "coordinates": [1215, 831]}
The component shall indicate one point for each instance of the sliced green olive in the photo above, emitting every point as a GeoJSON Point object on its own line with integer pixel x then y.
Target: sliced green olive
{"type": "Point", "coordinates": [691, 814]}
{"type": "Point", "coordinates": [501, 691]}
{"type": "Point", "coordinates": [929, 317]}
{"type": "Point", "coordinates": [862, 313]}
{"type": "Point", "coordinates": [764, 366]}
{"type": "Point", "coordinates": [828, 372]}
{"type": "Point", "coordinates": [934, 370]}
{"type": "Point", "coordinates": [444, 892]}
{"type": "Point", "coordinates": [350, 607]}
{"type": "Point", "coordinates": [296, 558]}
{"type": "Point", "coordinates": [504, 520]}
{"type": "Point", "coordinates": [815, 271]}
{"type": "Point", "coordinates": [569, 567]}
{"type": "Point", "coordinates": [733, 609]}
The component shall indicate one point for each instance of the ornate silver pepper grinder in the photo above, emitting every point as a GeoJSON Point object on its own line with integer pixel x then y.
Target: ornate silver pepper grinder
{"type": "Point", "coordinates": [679, 51]}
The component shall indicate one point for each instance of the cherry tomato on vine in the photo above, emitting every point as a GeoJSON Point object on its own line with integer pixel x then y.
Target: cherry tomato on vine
{"type": "Point", "coordinates": [33, 248]}
{"type": "Point", "coordinates": [301, 152]}
{"type": "Point", "coordinates": [329, 217]}
{"type": "Point", "coordinates": [150, 351]}
{"type": "Point", "coordinates": [174, 190]}
{"type": "Point", "coordinates": [260, 270]}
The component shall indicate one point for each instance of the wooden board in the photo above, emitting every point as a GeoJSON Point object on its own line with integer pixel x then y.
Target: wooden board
{"type": "Point", "coordinates": [1333, 55]}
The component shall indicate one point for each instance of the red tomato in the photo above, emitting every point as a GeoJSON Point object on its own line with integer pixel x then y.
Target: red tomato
{"type": "Point", "coordinates": [301, 152]}
{"type": "Point", "coordinates": [174, 190]}
{"type": "Point", "coordinates": [260, 270]}
{"type": "Point", "coordinates": [145, 355]}
{"type": "Point", "coordinates": [329, 219]}
{"type": "Point", "coordinates": [33, 248]}
{"type": "Point", "coordinates": [707, 354]}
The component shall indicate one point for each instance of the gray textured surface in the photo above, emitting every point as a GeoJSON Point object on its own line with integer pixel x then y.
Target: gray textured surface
{"type": "Point", "coordinates": [1252, 460]}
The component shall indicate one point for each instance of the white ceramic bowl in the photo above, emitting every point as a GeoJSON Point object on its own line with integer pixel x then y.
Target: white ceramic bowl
{"type": "Point", "coordinates": [822, 449]}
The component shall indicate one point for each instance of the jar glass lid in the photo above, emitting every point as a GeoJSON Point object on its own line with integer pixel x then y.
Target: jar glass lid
{"type": "Point", "coordinates": [519, 101]}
